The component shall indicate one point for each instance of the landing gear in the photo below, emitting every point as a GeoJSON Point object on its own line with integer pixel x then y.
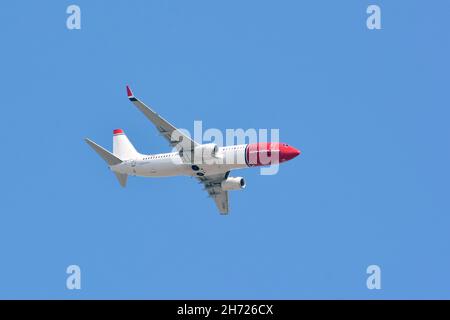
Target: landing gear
{"type": "Point", "coordinates": [195, 168]}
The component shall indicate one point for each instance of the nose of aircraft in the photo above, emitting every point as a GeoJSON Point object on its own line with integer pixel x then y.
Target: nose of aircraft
{"type": "Point", "coordinates": [288, 153]}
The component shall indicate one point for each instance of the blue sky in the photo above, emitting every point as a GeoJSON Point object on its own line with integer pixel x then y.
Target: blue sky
{"type": "Point", "coordinates": [368, 109]}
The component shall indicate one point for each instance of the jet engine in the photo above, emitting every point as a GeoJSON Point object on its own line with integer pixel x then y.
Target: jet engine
{"type": "Point", "coordinates": [232, 183]}
{"type": "Point", "coordinates": [205, 153]}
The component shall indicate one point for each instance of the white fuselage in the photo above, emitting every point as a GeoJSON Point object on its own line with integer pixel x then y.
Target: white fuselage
{"type": "Point", "coordinates": [171, 164]}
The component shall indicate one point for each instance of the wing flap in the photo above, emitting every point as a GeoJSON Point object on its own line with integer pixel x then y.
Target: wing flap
{"type": "Point", "coordinates": [212, 184]}
{"type": "Point", "coordinates": [221, 200]}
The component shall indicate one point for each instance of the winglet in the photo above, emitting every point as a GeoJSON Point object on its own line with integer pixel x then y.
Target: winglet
{"type": "Point", "coordinates": [130, 94]}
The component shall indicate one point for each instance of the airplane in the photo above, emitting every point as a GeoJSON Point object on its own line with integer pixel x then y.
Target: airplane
{"type": "Point", "coordinates": [206, 162]}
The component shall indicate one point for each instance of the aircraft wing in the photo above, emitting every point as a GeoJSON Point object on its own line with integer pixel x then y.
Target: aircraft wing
{"type": "Point", "coordinates": [175, 137]}
{"type": "Point", "coordinates": [212, 184]}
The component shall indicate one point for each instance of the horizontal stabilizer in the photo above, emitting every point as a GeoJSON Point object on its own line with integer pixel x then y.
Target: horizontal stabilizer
{"type": "Point", "coordinates": [122, 177]}
{"type": "Point", "coordinates": [102, 152]}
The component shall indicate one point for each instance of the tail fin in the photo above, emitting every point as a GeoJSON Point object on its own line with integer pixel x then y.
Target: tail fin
{"type": "Point", "coordinates": [122, 147]}
{"type": "Point", "coordinates": [110, 159]}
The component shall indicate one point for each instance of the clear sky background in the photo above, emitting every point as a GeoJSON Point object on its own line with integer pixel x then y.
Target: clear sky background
{"type": "Point", "coordinates": [369, 110]}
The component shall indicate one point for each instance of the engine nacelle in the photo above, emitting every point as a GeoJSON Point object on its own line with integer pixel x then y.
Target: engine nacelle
{"type": "Point", "coordinates": [206, 153]}
{"type": "Point", "coordinates": [232, 183]}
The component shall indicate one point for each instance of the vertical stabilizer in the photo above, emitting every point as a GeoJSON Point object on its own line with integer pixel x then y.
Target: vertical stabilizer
{"type": "Point", "coordinates": [122, 147]}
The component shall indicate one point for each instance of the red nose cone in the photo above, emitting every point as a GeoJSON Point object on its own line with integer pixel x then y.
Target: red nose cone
{"type": "Point", "coordinates": [287, 153]}
{"type": "Point", "coordinates": [118, 131]}
{"type": "Point", "coordinates": [296, 152]}
{"type": "Point", "coordinates": [266, 153]}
